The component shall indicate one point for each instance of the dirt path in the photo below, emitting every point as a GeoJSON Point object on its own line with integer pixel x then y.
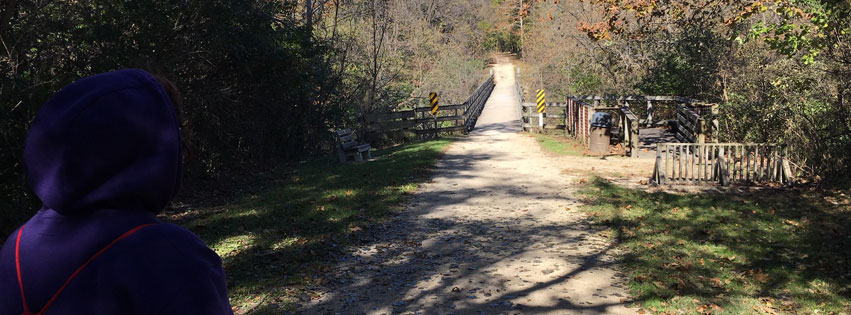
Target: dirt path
{"type": "Point", "coordinates": [497, 231]}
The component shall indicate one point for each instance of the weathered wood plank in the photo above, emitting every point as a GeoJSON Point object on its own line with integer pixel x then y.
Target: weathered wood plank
{"type": "Point", "coordinates": [380, 117]}
{"type": "Point", "coordinates": [692, 163]}
{"type": "Point", "coordinates": [446, 129]}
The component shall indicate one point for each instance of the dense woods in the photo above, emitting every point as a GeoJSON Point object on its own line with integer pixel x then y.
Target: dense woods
{"type": "Point", "coordinates": [779, 69]}
{"type": "Point", "coordinates": [265, 81]}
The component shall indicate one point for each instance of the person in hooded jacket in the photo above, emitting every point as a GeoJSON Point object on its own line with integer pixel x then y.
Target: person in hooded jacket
{"type": "Point", "coordinates": [104, 156]}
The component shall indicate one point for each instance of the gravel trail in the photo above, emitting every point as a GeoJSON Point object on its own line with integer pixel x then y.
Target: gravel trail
{"type": "Point", "coordinates": [496, 231]}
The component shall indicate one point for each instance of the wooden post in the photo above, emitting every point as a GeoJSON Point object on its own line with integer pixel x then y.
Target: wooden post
{"type": "Point", "coordinates": [649, 122]}
{"type": "Point", "coordinates": [667, 149]}
{"type": "Point", "coordinates": [715, 124]}
{"type": "Point", "coordinates": [767, 174]}
{"type": "Point", "coordinates": [723, 178]}
{"type": "Point", "coordinates": [748, 164]}
{"type": "Point", "coordinates": [689, 163]}
{"type": "Point", "coordinates": [700, 148]}
{"type": "Point", "coordinates": [773, 166]}
{"type": "Point", "coordinates": [634, 138]}
{"type": "Point", "coordinates": [680, 163]}
{"type": "Point", "coordinates": [657, 172]}
{"type": "Point", "coordinates": [457, 123]}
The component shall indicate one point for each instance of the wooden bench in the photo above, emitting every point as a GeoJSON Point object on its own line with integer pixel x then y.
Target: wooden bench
{"type": "Point", "coordinates": [348, 147]}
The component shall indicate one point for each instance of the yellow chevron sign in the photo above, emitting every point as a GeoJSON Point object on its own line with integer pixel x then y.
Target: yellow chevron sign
{"type": "Point", "coordinates": [542, 101]}
{"type": "Point", "coordinates": [434, 103]}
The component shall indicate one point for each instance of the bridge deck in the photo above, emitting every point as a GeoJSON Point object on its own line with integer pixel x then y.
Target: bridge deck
{"type": "Point", "coordinates": [649, 137]}
{"type": "Point", "coordinates": [501, 112]}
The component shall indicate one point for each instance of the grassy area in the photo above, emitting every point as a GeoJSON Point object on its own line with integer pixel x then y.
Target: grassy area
{"type": "Point", "coordinates": [279, 242]}
{"type": "Point", "coordinates": [766, 252]}
{"type": "Point", "coordinates": [559, 145]}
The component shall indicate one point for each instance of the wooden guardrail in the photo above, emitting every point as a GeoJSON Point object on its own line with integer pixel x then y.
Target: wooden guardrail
{"type": "Point", "coordinates": [629, 129]}
{"type": "Point", "coordinates": [692, 124]}
{"type": "Point", "coordinates": [720, 163]}
{"type": "Point", "coordinates": [448, 118]}
{"type": "Point", "coordinates": [696, 120]}
{"type": "Point", "coordinates": [553, 117]}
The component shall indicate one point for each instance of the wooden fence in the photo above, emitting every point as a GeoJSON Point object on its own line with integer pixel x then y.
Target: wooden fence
{"type": "Point", "coordinates": [579, 119]}
{"type": "Point", "coordinates": [553, 116]}
{"type": "Point", "coordinates": [625, 123]}
{"type": "Point", "coordinates": [696, 120]}
{"type": "Point", "coordinates": [720, 163]}
{"type": "Point", "coordinates": [448, 118]}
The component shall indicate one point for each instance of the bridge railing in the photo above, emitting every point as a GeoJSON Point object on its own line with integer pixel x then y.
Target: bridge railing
{"type": "Point", "coordinates": [553, 116]}
{"type": "Point", "coordinates": [696, 120]}
{"type": "Point", "coordinates": [696, 123]}
{"type": "Point", "coordinates": [720, 163]}
{"type": "Point", "coordinates": [420, 121]}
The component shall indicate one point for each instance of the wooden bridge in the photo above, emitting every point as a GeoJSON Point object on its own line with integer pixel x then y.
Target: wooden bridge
{"type": "Point", "coordinates": [422, 123]}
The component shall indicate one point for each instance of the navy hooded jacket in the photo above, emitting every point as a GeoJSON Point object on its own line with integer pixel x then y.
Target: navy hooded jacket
{"type": "Point", "coordinates": [104, 157]}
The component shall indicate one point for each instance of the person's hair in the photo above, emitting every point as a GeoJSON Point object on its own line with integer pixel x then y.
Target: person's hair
{"type": "Point", "coordinates": [177, 101]}
{"type": "Point", "coordinates": [173, 95]}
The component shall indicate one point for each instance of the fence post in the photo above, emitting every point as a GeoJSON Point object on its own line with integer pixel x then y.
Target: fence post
{"type": "Point", "coordinates": [657, 172]}
{"type": "Point", "coordinates": [722, 168]}
{"type": "Point", "coordinates": [715, 124]}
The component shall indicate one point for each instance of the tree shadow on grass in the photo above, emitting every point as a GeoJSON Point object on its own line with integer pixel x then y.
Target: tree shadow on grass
{"type": "Point", "coordinates": [776, 249]}
{"type": "Point", "coordinates": [285, 233]}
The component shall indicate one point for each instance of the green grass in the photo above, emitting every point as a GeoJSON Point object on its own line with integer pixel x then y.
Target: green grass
{"type": "Point", "coordinates": [278, 242]}
{"type": "Point", "coordinates": [783, 251]}
{"type": "Point", "coordinates": [559, 145]}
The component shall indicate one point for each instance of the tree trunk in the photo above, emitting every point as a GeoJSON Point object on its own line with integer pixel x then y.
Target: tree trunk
{"type": "Point", "coordinates": [308, 15]}
{"type": "Point", "coordinates": [6, 16]}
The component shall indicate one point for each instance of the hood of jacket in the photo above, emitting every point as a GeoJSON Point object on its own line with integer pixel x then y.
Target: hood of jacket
{"type": "Point", "coordinates": [110, 141]}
